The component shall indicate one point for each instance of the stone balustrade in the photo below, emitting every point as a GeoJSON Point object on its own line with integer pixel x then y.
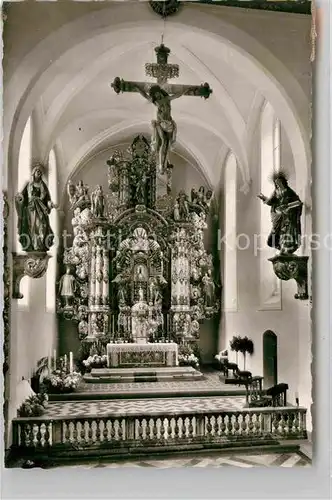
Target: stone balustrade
{"type": "Point", "coordinates": [138, 431]}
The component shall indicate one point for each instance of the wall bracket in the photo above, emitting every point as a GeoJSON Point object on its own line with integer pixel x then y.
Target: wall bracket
{"type": "Point", "coordinates": [288, 267]}
{"type": "Point", "coordinates": [32, 264]}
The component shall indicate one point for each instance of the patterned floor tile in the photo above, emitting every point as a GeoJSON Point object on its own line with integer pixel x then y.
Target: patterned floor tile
{"type": "Point", "coordinates": [242, 461]}
{"type": "Point", "coordinates": [117, 407]}
{"type": "Point", "coordinates": [211, 381]}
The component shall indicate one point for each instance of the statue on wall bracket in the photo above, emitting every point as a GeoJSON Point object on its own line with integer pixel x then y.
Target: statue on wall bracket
{"type": "Point", "coordinates": [285, 235]}
{"type": "Point", "coordinates": [33, 206]}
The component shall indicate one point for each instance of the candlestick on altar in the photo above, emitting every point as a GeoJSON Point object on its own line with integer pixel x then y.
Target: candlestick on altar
{"type": "Point", "coordinates": [65, 362]}
{"type": "Point", "coordinates": [71, 362]}
{"type": "Point", "coordinates": [49, 363]}
{"type": "Point", "coordinates": [54, 359]}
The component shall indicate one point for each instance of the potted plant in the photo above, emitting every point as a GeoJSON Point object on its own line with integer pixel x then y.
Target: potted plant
{"type": "Point", "coordinates": [33, 406]}
{"type": "Point", "coordinates": [246, 346]}
{"type": "Point", "coordinates": [235, 344]}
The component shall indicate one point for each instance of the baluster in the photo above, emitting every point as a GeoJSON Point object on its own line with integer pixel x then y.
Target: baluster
{"type": "Point", "coordinates": [47, 435]}
{"type": "Point", "coordinates": [258, 423]}
{"type": "Point", "coordinates": [140, 430]}
{"type": "Point", "coordinates": [244, 424]}
{"type": "Point", "coordinates": [74, 431]}
{"type": "Point", "coordinates": [163, 428]}
{"type": "Point", "coordinates": [295, 424]}
{"type": "Point", "coordinates": [103, 430]}
{"type": "Point", "coordinates": [30, 436]}
{"type": "Point", "coordinates": [180, 426]}
{"type": "Point", "coordinates": [66, 433]}
{"type": "Point", "coordinates": [176, 428]}
{"type": "Point", "coordinates": [208, 426]}
{"type": "Point", "coordinates": [79, 429]}
{"type": "Point", "coordinates": [156, 428]}
{"type": "Point", "coordinates": [191, 427]}
{"type": "Point", "coordinates": [113, 430]}
{"type": "Point", "coordinates": [223, 426]}
{"type": "Point", "coordinates": [229, 424]}
{"type": "Point", "coordinates": [275, 424]}
{"type": "Point", "coordinates": [89, 430]}
{"type": "Point", "coordinates": [38, 434]}
{"type": "Point", "coordinates": [121, 434]}
{"type": "Point", "coordinates": [250, 424]}
{"type": "Point", "coordinates": [236, 424]}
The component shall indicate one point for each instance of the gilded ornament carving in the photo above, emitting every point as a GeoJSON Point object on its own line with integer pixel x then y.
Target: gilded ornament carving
{"type": "Point", "coordinates": [146, 276]}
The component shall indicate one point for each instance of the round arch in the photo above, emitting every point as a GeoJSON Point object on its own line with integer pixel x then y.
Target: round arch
{"type": "Point", "coordinates": [278, 84]}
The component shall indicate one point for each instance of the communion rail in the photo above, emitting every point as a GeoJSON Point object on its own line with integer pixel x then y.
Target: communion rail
{"type": "Point", "coordinates": [81, 435]}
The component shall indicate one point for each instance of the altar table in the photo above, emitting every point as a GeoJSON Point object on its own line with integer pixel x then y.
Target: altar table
{"type": "Point", "coordinates": [135, 355]}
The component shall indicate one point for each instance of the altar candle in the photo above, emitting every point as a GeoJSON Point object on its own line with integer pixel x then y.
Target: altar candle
{"type": "Point", "coordinates": [49, 363]}
{"type": "Point", "coordinates": [71, 362]}
{"type": "Point", "coordinates": [65, 362]}
{"type": "Point", "coordinates": [54, 359]}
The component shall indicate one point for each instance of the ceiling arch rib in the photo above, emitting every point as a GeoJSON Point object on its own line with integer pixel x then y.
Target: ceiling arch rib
{"type": "Point", "coordinates": [127, 127]}
{"type": "Point", "coordinates": [125, 115]}
{"type": "Point", "coordinates": [81, 80]}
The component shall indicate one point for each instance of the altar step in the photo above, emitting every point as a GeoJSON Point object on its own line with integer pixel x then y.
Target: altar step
{"type": "Point", "coordinates": [129, 375]}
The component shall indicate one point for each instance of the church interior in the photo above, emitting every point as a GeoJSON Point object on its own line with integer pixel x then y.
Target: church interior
{"type": "Point", "coordinates": [157, 221]}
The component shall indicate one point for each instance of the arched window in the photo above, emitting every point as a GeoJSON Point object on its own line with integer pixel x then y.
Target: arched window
{"type": "Point", "coordinates": [270, 287]}
{"type": "Point", "coordinates": [52, 267]}
{"type": "Point", "coordinates": [230, 254]}
{"type": "Point", "coordinates": [24, 171]}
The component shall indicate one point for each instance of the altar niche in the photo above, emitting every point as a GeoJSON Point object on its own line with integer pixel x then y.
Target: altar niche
{"type": "Point", "coordinates": [139, 270]}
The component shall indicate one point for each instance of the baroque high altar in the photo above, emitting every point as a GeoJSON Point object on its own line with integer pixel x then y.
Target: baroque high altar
{"type": "Point", "coordinates": [137, 271]}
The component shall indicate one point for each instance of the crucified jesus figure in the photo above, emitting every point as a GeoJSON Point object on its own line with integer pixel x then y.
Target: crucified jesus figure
{"type": "Point", "coordinates": [164, 127]}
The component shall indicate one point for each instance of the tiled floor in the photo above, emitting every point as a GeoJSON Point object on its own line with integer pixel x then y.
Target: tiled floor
{"type": "Point", "coordinates": [210, 382]}
{"type": "Point", "coordinates": [234, 460]}
{"type": "Point", "coordinates": [117, 407]}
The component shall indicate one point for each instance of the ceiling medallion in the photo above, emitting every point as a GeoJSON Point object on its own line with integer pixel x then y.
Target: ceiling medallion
{"type": "Point", "coordinates": [165, 8]}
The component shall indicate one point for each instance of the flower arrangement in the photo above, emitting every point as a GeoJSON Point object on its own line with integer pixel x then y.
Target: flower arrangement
{"type": "Point", "coordinates": [95, 361]}
{"type": "Point", "coordinates": [61, 379]}
{"type": "Point", "coordinates": [187, 357]}
{"type": "Point", "coordinates": [33, 406]}
{"type": "Point", "coordinates": [188, 360]}
{"type": "Point", "coordinates": [58, 382]}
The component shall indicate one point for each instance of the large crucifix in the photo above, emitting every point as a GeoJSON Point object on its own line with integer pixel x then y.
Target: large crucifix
{"type": "Point", "coordinates": [161, 94]}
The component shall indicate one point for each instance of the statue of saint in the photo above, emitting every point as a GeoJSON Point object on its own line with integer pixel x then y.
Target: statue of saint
{"type": "Point", "coordinates": [208, 289]}
{"type": "Point", "coordinates": [176, 212]}
{"type": "Point", "coordinates": [164, 127]}
{"type": "Point", "coordinates": [154, 292]}
{"type": "Point", "coordinates": [140, 318]}
{"type": "Point", "coordinates": [67, 287]}
{"type": "Point", "coordinates": [121, 296]}
{"type": "Point", "coordinates": [182, 200]}
{"type": "Point", "coordinates": [33, 207]}
{"type": "Point", "coordinates": [286, 210]}
{"type": "Point", "coordinates": [97, 202]}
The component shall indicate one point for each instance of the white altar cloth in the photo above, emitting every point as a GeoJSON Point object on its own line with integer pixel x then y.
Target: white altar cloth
{"type": "Point", "coordinates": [136, 355]}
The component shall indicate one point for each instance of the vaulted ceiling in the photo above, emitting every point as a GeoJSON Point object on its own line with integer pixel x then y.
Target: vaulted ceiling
{"type": "Point", "coordinates": [65, 80]}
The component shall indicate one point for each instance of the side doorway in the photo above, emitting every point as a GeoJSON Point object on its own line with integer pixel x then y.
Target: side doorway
{"type": "Point", "coordinates": [270, 358]}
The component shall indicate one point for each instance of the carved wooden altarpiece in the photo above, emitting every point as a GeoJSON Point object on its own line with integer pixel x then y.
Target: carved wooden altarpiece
{"type": "Point", "coordinates": [137, 270]}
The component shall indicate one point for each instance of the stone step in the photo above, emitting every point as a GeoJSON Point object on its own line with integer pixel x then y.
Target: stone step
{"type": "Point", "coordinates": [117, 375]}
